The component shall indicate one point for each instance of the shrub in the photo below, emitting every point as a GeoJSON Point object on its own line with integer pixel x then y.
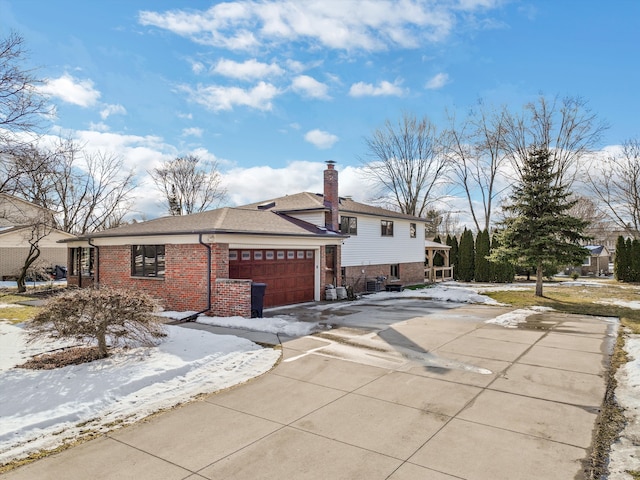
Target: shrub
{"type": "Point", "coordinates": [103, 315]}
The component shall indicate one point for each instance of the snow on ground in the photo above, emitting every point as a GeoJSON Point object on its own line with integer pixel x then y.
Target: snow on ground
{"type": "Point", "coordinates": [442, 292]}
{"type": "Point", "coordinates": [512, 319]}
{"type": "Point", "coordinates": [40, 409]}
{"type": "Point", "coordinates": [269, 325]}
{"type": "Point", "coordinates": [625, 452]}
{"type": "Point", "coordinates": [634, 305]}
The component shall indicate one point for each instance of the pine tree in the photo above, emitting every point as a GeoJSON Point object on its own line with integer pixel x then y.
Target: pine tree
{"type": "Point", "coordinates": [466, 254]}
{"type": "Point", "coordinates": [501, 271]}
{"type": "Point", "coordinates": [482, 266]}
{"type": "Point", "coordinates": [453, 254]}
{"type": "Point", "coordinates": [621, 262]}
{"type": "Point", "coordinates": [538, 230]}
{"type": "Point", "coordinates": [635, 261]}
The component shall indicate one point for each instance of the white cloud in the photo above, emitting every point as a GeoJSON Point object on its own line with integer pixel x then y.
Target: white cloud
{"type": "Point", "coordinates": [321, 139]}
{"type": "Point", "coordinates": [437, 81]}
{"type": "Point", "coordinates": [219, 98]}
{"type": "Point", "coordinates": [247, 70]}
{"type": "Point", "coordinates": [383, 88]}
{"type": "Point", "coordinates": [99, 127]}
{"type": "Point", "coordinates": [192, 132]}
{"type": "Point", "coordinates": [197, 67]}
{"type": "Point", "coordinates": [71, 90]}
{"type": "Point", "coordinates": [310, 87]}
{"type": "Point", "coordinates": [370, 25]}
{"type": "Point", "coordinates": [109, 110]}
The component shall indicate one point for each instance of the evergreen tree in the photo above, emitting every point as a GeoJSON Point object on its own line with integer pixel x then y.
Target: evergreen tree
{"type": "Point", "coordinates": [501, 271]}
{"type": "Point", "coordinates": [453, 254]}
{"type": "Point", "coordinates": [466, 254]}
{"type": "Point", "coordinates": [438, 259]}
{"type": "Point", "coordinates": [621, 262]}
{"type": "Point", "coordinates": [635, 261]}
{"type": "Point", "coordinates": [482, 266]}
{"type": "Point", "coordinates": [538, 229]}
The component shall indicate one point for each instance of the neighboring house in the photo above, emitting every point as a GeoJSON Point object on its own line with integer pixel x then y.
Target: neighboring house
{"type": "Point", "coordinates": [207, 261]}
{"type": "Point", "coordinates": [597, 263]}
{"type": "Point", "coordinates": [18, 218]}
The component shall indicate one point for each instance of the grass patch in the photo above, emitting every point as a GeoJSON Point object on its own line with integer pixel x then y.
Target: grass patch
{"type": "Point", "coordinates": [14, 313]}
{"type": "Point", "coordinates": [580, 300]}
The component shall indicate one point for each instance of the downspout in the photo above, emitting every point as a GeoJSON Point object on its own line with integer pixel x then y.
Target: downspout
{"type": "Point", "coordinates": [191, 318]}
{"type": "Point", "coordinates": [96, 259]}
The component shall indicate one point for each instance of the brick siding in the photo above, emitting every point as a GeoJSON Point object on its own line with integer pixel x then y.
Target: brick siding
{"type": "Point", "coordinates": [410, 273]}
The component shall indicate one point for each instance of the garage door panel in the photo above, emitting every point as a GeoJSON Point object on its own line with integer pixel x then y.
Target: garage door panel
{"type": "Point", "coordinates": [289, 276]}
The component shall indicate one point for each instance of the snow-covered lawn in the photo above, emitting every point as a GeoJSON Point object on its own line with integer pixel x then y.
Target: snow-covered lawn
{"type": "Point", "coordinates": [40, 409]}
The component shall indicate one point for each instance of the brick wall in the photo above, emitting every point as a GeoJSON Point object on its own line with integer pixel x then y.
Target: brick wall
{"type": "Point", "coordinates": [232, 298]}
{"type": "Point", "coordinates": [184, 286]}
{"type": "Point", "coordinates": [410, 273]}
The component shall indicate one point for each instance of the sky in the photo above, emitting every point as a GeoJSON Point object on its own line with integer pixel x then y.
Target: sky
{"type": "Point", "coordinates": [273, 89]}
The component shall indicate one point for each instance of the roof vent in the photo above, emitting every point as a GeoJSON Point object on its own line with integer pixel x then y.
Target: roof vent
{"type": "Point", "coordinates": [266, 206]}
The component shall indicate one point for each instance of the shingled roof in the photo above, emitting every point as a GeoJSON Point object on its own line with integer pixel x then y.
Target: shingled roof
{"type": "Point", "coordinates": [307, 201]}
{"type": "Point", "coordinates": [222, 220]}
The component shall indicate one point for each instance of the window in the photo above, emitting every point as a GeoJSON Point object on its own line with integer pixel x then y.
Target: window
{"type": "Point", "coordinates": [246, 255]}
{"type": "Point", "coordinates": [387, 228]}
{"type": "Point", "coordinates": [81, 262]}
{"type": "Point", "coordinates": [233, 255]}
{"type": "Point", "coordinates": [291, 255]}
{"type": "Point", "coordinates": [395, 271]}
{"type": "Point", "coordinates": [280, 255]}
{"type": "Point", "coordinates": [147, 261]}
{"type": "Point", "coordinates": [309, 253]}
{"type": "Point", "coordinates": [412, 230]}
{"type": "Point", "coordinates": [269, 254]}
{"type": "Point", "coordinates": [257, 255]}
{"type": "Point", "coordinates": [349, 225]}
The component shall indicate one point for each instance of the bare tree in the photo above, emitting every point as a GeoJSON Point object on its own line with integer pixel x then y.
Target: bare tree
{"type": "Point", "coordinates": [21, 103]}
{"type": "Point", "coordinates": [406, 163]}
{"type": "Point", "coordinates": [477, 155]}
{"type": "Point", "coordinates": [32, 234]}
{"type": "Point", "coordinates": [189, 184]}
{"type": "Point", "coordinates": [615, 181]}
{"type": "Point", "coordinates": [89, 191]}
{"type": "Point", "coordinates": [566, 128]}
{"type": "Point", "coordinates": [99, 315]}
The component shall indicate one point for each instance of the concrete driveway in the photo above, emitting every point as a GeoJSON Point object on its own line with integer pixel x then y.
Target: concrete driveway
{"type": "Point", "coordinates": [424, 391]}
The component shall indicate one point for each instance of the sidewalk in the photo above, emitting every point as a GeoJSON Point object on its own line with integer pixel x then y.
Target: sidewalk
{"type": "Point", "coordinates": [443, 396]}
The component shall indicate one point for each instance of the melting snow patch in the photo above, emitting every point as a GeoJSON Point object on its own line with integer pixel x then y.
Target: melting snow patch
{"type": "Point", "coordinates": [625, 454]}
{"type": "Point", "coordinates": [635, 305]}
{"type": "Point", "coordinates": [274, 325]}
{"type": "Point", "coordinates": [512, 319]}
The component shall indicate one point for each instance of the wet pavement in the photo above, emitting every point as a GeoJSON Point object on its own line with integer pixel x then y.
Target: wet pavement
{"type": "Point", "coordinates": [400, 390]}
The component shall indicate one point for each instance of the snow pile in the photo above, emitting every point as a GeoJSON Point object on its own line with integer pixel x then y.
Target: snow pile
{"type": "Point", "coordinates": [273, 325]}
{"type": "Point", "coordinates": [40, 409]}
{"type": "Point", "coordinates": [625, 452]}
{"type": "Point", "coordinates": [512, 319]}
{"type": "Point", "coordinates": [634, 305]}
{"type": "Point", "coordinates": [450, 292]}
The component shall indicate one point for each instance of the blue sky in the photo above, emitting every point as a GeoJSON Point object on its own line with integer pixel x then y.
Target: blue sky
{"type": "Point", "coordinates": [273, 89]}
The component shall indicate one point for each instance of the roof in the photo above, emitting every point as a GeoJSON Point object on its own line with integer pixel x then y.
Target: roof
{"type": "Point", "coordinates": [436, 245]}
{"type": "Point", "coordinates": [597, 249]}
{"type": "Point", "coordinates": [222, 220]}
{"type": "Point", "coordinates": [307, 201]}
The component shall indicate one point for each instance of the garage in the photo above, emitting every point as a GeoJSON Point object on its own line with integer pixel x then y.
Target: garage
{"type": "Point", "coordinates": [289, 274]}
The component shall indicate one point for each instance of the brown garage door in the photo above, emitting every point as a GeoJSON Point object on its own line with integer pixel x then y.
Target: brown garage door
{"type": "Point", "coordinates": [289, 274]}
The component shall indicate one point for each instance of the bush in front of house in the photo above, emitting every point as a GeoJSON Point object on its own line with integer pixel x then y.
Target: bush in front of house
{"type": "Point", "coordinates": [106, 316]}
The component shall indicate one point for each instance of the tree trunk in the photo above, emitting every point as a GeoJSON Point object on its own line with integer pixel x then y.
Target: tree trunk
{"type": "Point", "coordinates": [539, 280]}
{"type": "Point", "coordinates": [101, 335]}
{"type": "Point", "coordinates": [34, 253]}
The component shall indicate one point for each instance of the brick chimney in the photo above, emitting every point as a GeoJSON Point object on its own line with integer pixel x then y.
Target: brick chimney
{"type": "Point", "coordinates": [331, 198]}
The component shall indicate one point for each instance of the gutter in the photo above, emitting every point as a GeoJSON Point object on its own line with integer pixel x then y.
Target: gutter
{"type": "Point", "coordinates": [192, 317]}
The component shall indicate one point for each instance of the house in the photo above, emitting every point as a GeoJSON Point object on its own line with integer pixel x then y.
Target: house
{"type": "Point", "coordinates": [296, 245]}
{"type": "Point", "coordinates": [597, 263]}
{"type": "Point", "coordinates": [19, 221]}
